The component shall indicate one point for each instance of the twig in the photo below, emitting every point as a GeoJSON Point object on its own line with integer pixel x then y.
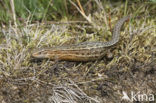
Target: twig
{"type": "Point", "coordinates": [80, 6]}
{"type": "Point", "coordinates": [86, 17]}
{"type": "Point", "coordinates": [13, 12]}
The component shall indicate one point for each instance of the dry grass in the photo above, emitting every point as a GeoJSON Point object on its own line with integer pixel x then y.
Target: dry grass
{"type": "Point", "coordinates": [131, 68]}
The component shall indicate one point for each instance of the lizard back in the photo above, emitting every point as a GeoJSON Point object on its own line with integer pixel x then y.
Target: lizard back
{"type": "Point", "coordinates": [86, 51]}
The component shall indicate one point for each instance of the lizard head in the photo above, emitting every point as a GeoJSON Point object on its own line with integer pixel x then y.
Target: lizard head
{"type": "Point", "coordinates": [41, 54]}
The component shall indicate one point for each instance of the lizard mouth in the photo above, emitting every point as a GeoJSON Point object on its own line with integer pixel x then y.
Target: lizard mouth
{"type": "Point", "coordinates": [37, 55]}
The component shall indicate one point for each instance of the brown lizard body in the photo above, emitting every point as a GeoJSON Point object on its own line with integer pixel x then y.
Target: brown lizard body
{"type": "Point", "coordinates": [87, 51]}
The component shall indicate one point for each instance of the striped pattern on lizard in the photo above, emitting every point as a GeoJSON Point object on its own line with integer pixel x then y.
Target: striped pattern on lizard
{"type": "Point", "coordinates": [87, 51]}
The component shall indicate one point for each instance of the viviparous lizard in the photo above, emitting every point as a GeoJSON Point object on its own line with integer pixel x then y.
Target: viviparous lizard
{"type": "Point", "coordinates": [86, 51]}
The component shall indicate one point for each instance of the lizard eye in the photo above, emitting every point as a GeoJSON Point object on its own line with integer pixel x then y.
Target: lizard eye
{"type": "Point", "coordinates": [40, 52]}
